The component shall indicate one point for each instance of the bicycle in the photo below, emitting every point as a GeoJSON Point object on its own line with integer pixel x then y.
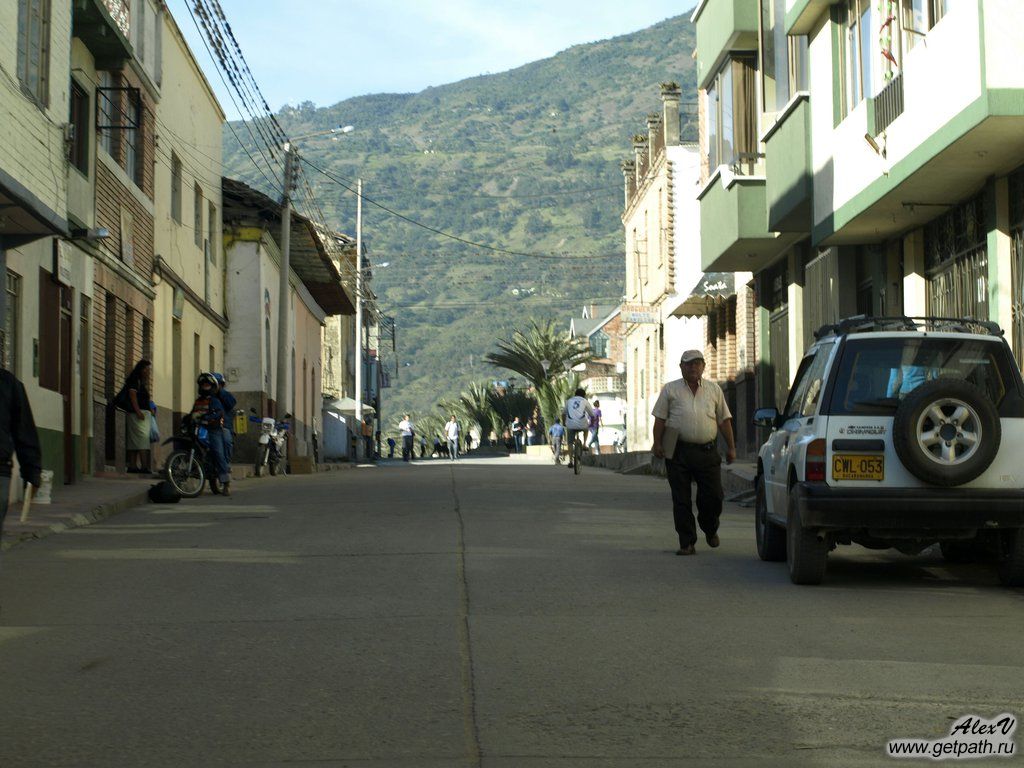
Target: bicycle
{"type": "Point", "coordinates": [576, 453]}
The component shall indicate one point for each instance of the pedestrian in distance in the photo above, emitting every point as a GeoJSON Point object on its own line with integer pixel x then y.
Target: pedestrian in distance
{"type": "Point", "coordinates": [391, 447]}
{"type": "Point", "coordinates": [423, 447]}
{"type": "Point", "coordinates": [595, 427]}
{"type": "Point", "coordinates": [469, 441]}
{"type": "Point", "coordinates": [451, 432]}
{"type": "Point", "coordinates": [557, 434]}
{"type": "Point", "coordinates": [134, 398]}
{"type": "Point", "coordinates": [531, 431]}
{"type": "Point", "coordinates": [437, 447]}
{"type": "Point", "coordinates": [18, 437]}
{"type": "Point", "coordinates": [408, 432]}
{"type": "Point", "coordinates": [517, 434]}
{"type": "Point", "coordinates": [688, 416]}
{"type": "Point", "coordinates": [367, 428]}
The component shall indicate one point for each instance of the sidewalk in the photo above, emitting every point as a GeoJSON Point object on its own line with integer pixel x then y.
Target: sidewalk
{"type": "Point", "coordinates": [93, 499]}
{"type": "Point", "coordinates": [85, 502]}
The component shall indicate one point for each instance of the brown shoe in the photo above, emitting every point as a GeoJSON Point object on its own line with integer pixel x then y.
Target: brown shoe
{"type": "Point", "coordinates": [713, 540]}
{"type": "Point", "coordinates": [689, 549]}
{"type": "Point", "coordinates": [226, 489]}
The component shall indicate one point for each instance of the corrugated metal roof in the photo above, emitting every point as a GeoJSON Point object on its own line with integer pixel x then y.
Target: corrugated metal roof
{"type": "Point", "coordinates": [310, 255]}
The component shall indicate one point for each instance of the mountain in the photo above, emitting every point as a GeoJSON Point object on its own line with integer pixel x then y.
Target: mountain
{"type": "Point", "coordinates": [524, 161]}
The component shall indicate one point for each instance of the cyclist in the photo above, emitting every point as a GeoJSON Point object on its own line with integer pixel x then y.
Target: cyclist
{"type": "Point", "coordinates": [578, 414]}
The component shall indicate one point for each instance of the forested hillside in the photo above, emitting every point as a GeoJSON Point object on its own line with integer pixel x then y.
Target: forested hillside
{"type": "Point", "coordinates": [525, 161]}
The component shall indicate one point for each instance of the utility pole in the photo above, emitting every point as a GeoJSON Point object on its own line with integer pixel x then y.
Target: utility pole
{"type": "Point", "coordinates": [359, 311]}
{"type": "Point", "coordinates": [284, 285]}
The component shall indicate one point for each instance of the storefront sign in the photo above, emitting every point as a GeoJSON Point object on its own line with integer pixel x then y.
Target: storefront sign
{"type": "Point", "coordinates": [640, 314]}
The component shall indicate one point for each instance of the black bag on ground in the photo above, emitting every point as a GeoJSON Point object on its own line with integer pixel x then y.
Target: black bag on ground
{"type": "Point", "coordinates": [164, 493]}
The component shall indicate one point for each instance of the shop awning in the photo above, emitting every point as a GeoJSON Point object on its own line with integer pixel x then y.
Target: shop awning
{"type": "Point", "coordinates": [711, 288]}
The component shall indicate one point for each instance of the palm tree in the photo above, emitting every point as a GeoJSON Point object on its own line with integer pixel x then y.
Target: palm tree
{"type": "Point", "coordinates": [552, 394]}
{"type": "Point", "coordinates": [542, 354]}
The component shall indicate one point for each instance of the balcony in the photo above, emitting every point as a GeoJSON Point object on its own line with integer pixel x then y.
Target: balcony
{"type": "Point", "coordinates": [722, 26]}
{"type": "Point", "coordinates": [104, 26]}
{"type": "Point", "coordinates": [951, 119]}
{"type": "Point", "coordinates": [803, 15]}
{"type": "Point", "coordinates": [734, 223]}
{"type": "Point", "coordinates": [789, 191]}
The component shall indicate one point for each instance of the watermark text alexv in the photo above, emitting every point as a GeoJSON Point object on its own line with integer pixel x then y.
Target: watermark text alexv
{"type": "Point", "coordinates": [970, 738]}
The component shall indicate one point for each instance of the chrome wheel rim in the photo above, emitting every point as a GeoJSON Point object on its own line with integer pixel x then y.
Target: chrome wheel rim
{"type": "Point", "coordinates": [184, 473]}
{"type": "Point", "coordinates": [949, 432]}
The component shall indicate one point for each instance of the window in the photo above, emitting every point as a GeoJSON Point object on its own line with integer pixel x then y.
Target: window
{"type": "Point", "coordinates": [857, 56]}
{"type": "Point", "coordinates": [132, 136]}
{"type": "Point", "coordinates": [732, 117]}
{"type": "Point", "coordinates": [34, 49]}
{"type": "Point", "coordinates": [10, 328]}
{"type": "Point", "coordinates": [875, 374]}
{"type": "Point", "coordinates": [783, 58]}
{"type": "Point", "coordinates": [106, 114]}
{"type": "Point", "coordinates": [806, 390]}
{"type": "Point", "coordinates": [599, 344]}
{"type": "Point", "coordinates": [78, 149]}
{"type": "Point", "coordinates": [127, 237]}
{"type": "Point", "coordinates": [211, 224]}
{"type": "Point", "coordinates": [197, 217]}
{"type": "Point", "coordinates": [175, 187]}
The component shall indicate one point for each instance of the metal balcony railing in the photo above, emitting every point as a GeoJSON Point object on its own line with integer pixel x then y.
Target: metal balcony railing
{"type": "Point", "coordinates": [888, 104]}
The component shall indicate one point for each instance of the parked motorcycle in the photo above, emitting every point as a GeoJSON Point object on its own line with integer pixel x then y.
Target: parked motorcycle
{"type": "Point", "coordinates": [190, 464]}
{"type": "Point", "coordinates": [272, 443]}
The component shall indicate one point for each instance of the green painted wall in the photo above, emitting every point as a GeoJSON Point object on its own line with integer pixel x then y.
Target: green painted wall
{"type": "Point", "coordinates": [721, 26]}
{"type": "Point", "coordinates": [789, 186]}
{"type": "Point", "coordinates": [730, 216]}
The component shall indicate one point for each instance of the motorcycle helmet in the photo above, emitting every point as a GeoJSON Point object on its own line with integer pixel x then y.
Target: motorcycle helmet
{"type": "Point", "coordinates": [207, 380]}
{"type": "Point", "coordinates": [220, 379]}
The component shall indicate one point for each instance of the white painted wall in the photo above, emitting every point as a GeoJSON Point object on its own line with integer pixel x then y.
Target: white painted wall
{"type": "Point", "coordinates": [244, 346]}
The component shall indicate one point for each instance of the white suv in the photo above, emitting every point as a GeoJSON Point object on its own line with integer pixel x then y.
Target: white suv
{"type": "Point", "coordinates": [898, 432]}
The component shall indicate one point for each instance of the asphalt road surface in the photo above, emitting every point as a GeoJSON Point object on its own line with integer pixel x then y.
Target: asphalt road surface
{"type": "Point", "coordinates": [494, 613]}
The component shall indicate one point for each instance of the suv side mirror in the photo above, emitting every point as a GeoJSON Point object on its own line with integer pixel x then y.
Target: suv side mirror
{"type": "Point", "coordinates": [766, 417]}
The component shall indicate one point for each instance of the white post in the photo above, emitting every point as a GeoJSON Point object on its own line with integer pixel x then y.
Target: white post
{"type": "Point", "coordinates": [359, 316]}
{"type": "Point", "coordinates": [283, 302]}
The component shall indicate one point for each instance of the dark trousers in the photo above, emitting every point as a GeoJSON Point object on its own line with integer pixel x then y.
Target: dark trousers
{"type": "Point", "coordinates": [407, 447]}
{"type": "Point", "coordinates": [702, 465]}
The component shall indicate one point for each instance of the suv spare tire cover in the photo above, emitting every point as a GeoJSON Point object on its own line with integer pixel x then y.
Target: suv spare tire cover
{"type": "Point", "coordinates": [914, 424]}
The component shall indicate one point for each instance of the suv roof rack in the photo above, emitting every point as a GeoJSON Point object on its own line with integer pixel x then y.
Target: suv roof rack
{"type": "Point", "coordinates": [866, 324]}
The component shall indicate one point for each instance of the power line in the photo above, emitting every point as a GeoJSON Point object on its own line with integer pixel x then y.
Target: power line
{"type": "Point", "coordinates": [450, 236]}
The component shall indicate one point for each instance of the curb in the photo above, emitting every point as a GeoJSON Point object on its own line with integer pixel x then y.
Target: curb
{"type": "Point", "coordinates": [81, 519]}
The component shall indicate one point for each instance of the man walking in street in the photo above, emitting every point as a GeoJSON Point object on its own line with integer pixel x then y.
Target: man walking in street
{"type": "Point", "coordinates": [451, 431]}
{"type": "Point", "coordinates": [18, 436]}
{"type": "Point", "coordinates": [688, 415]}
{"type": "Point", "coordinates": [595, 427]}
{"type": "Point", "coordinates": [557, 432]}
{"type": "Point", "coordinates": [517, 434]}
{"type": "Point", "coordinates": [405, 426]}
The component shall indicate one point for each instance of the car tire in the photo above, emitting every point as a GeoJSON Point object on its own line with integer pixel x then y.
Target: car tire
{"type": "Point", "coordinates": [806, 554]}
{"type": "Point", "coordinates": [771, 538]}
{"type": "Point", "coordinates": [925, 452]}
{"type": "Point", "coordinates": [1011, 558]}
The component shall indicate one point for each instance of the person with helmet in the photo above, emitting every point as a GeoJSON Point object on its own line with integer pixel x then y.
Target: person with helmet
{"type": "Point", "coordinates": [229, 402]}
{"type": "Point", "coordinates": [209, 410]}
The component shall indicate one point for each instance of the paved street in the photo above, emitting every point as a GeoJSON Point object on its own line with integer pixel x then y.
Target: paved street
{"type": "Point", "coordinates": [491, 613]}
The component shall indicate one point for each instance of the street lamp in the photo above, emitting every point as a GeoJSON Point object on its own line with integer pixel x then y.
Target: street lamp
{"type": "Point", "coordinates": [291, 170]}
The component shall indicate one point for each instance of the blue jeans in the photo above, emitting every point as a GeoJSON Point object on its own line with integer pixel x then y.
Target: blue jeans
{"type": "Point", "coordinates": [453, 448]}
{"type": "Point", "coordinates": [229, 445]}
{"type": "Point", "coordinates": [219, 454]}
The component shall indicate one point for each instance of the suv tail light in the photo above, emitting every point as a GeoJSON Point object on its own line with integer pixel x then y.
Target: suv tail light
{"type": "Point", "coordinates": [814, 464]}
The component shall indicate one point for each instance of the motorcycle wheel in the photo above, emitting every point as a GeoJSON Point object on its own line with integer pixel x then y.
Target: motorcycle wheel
{"type": "Point", "coordinates": [261, 461]}
{"type": "Point", "coordinates": [185, 472]}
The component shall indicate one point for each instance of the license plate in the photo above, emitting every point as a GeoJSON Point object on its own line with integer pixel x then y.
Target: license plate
{"type": "Point", "coordinates": [857, 466]}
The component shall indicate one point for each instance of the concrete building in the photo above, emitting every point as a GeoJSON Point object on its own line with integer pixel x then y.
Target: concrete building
{"type": "Point", "coordinates": [252, 254]}
{"type": "Point", "coordinates": [188, 269]}
{"type": "Point", "coordinates": [604, 377]}
{"type": "Point", "coordinates": [666, 298]}
{"type": "Point", "coordinates": [869, 162]}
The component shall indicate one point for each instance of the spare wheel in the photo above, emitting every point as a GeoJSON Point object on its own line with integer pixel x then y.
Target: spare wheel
{"type": "Point", "coordinates": [946, 432]}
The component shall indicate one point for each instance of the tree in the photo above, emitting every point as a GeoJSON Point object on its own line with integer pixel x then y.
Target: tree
{"type": "Point", "coordinates": [524, 353]}
{"type": "Point", "coordinates": [527, 353]}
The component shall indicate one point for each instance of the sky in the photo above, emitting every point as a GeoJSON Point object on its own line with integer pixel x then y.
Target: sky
{"type": "Point", "coordinates": [326, 51]}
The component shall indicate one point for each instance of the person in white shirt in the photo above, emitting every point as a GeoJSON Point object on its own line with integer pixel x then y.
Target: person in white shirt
{"type": "Point", "coordinates": [451, 431]}
{"type": "Point", "coordinates": [692, 411]}
{"type": "Point", "coordinates": [405, 426]}
{"type": "Point", "coordinates": [578, 414]}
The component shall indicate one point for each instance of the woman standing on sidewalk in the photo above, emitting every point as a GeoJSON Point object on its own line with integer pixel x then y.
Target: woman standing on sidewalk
{"type": "Point", "coordinates": [140, 418]}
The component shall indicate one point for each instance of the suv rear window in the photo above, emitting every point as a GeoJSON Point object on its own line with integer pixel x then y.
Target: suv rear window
{"type": "Point", "coordinates": [875, 374]}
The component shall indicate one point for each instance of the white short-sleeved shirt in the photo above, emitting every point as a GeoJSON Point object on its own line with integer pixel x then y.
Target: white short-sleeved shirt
{"type": "Point", "coordinates": [451, 430]}
{"type": "Point", "coordinates": [406, 428]}
{"type": "Point", "coordinates": [578, 413]}
{"type": "Point", "coordinates": [695, 416]}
